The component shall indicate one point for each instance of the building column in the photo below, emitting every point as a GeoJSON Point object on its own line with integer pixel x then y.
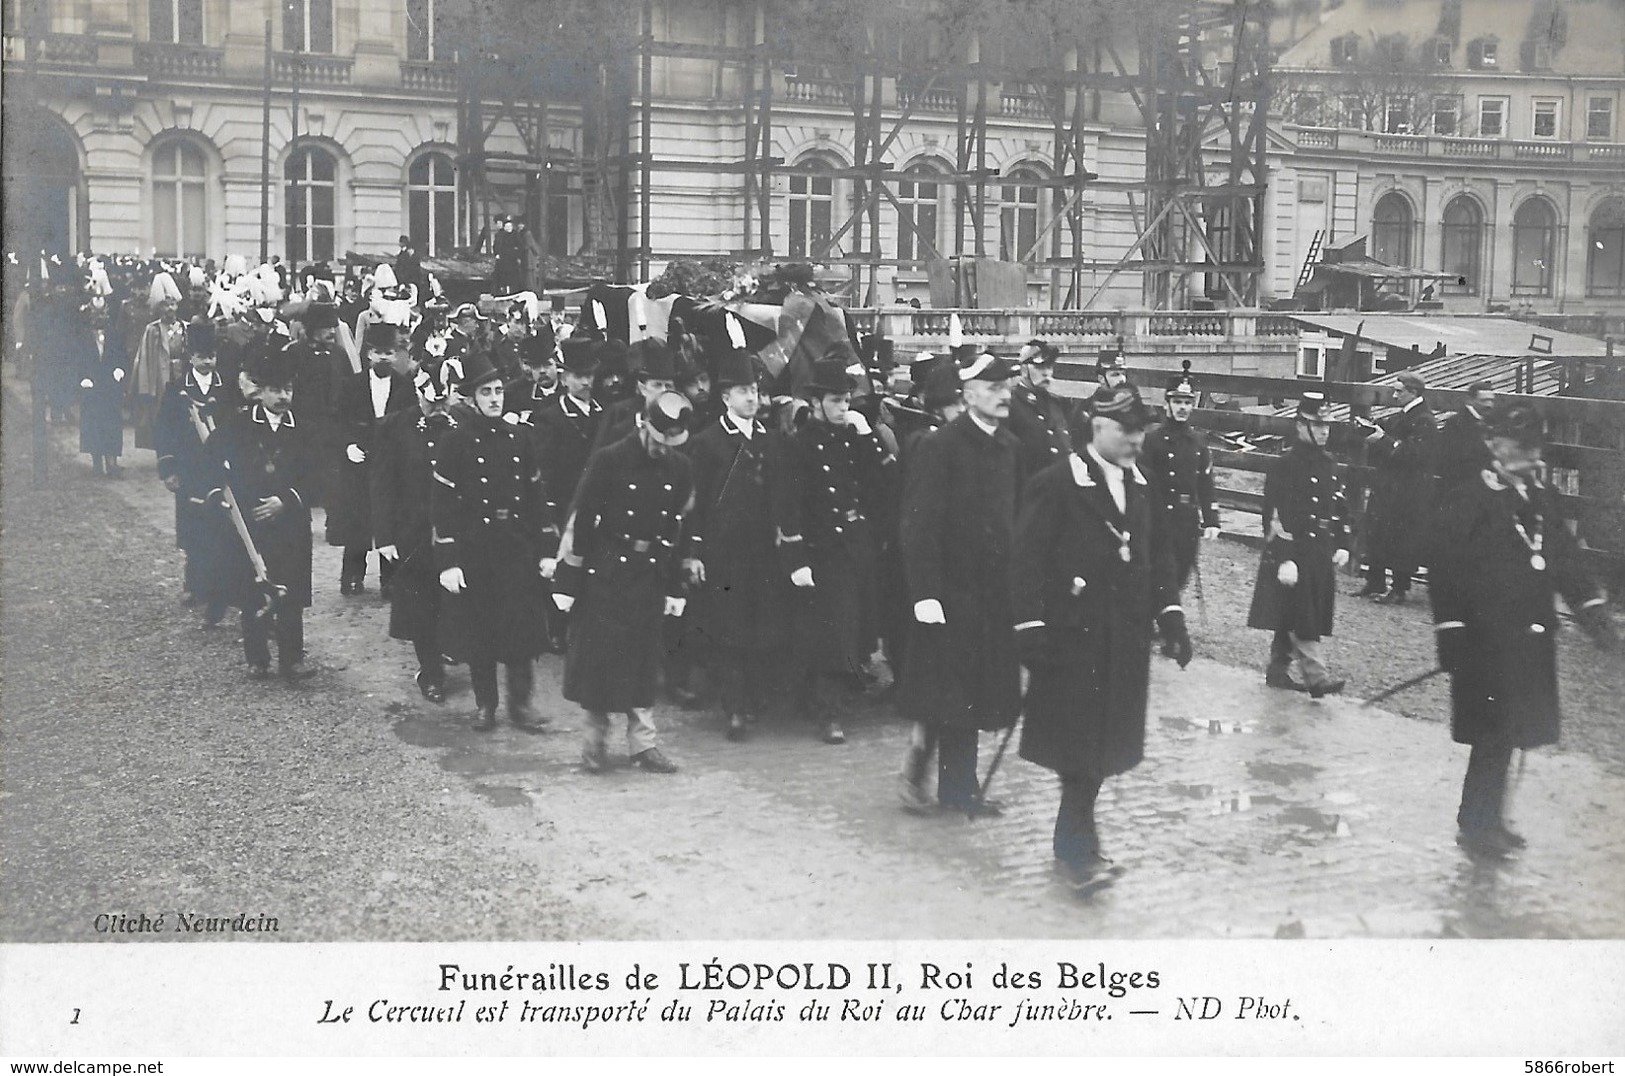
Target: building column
{"type": "Point", "coordinates": [1498, 268]}
{"type": "Point", "coordinates": [1570, 286]}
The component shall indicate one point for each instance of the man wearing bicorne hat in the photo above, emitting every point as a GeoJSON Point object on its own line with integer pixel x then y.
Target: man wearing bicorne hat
{"type": "Point", "coordinates": [1306, 539]}
{"type": "Point", "coordinates": [959, 511]}
{"type": "Point", "coordinates": [1091, 571]}
{"type": "Point", "coordinates": [193, 405]}
{"type": "Point", "coordinates": [1177, 461]}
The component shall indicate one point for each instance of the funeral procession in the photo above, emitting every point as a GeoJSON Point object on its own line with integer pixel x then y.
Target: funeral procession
{"type": "Point", "coordinates": [535, 469]}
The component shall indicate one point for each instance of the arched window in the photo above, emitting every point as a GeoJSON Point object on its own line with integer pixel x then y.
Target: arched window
{"type": "Point", "coordinates": [431, 209]}
{"type": "Point", "coordinates": [1019, 219]}
{"type": "Point", "coordinates": [1463, 238]}
{"type": "Point", "coordinates": [917, 216]}
{"type": "Point", "coordinates": [44, 195]}
{"type": "Point", "coordinates": [1605, 257]}
{"type": "Point", "coordinates": [1391, 225]}
{"type": "Point", "coordinates": [180, 200]}
{"type": "Point", "coordinates": [311, 175]}
{"type": "Point", "coordinates": [812, 205]}
{"type": "Point", "coordinates": [1534, 239]}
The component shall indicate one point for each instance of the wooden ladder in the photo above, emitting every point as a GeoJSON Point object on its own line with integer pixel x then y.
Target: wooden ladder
{"type": "Point", "coordinates": [1312, 258]}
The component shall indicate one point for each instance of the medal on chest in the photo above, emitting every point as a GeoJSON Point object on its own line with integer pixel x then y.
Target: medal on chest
{"type": "Point", "coordinates": [1535, 539]}
{"type": "Point", "coordinates": [1122, 536]}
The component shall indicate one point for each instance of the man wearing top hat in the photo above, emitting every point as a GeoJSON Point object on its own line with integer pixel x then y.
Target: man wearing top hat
{"type": "Point", "coordinates": [1091, 571]}
{"type": "Point", "coordinates": [1040, 421]}
{"type": "Point", "coordinates": [1177, 461]}
{"type": "Point", "coordinates": [489, 521]}
{"type": "Point", "coordinates": [1500, 554]}
{"type": "Point", "coordinates": [320, 368]}
{"type": "Point", "coordinates": [97, 354]}
{"type": "Point", "coordinates": [565, 428]}
{"type": "Point", "coordinates": [363, 402]}
{"type": "Point", "coordinates": [1402, 493]}
{"type": "Point", "coordinates": [401, 483]}
{"type": "Point", "coordinates": [656, 374]}
{"type": "Point", "coordinates": [620, 574]}
{"type": "Point", "coordinates": [508, 275]}
{"type": "Point", "coordinates": [832, 464]}
{"type": "Point", "coordinates": [259, 454]}
{"type": "Point", "coordinates": [191, 408]}
{"type": "Point", "coordinates": [527, 394]}
{"type": "Point", "coordinates": [959, 510]}
{"type": "Point", "coordinates": [1306, 539]}
{"type": "Point", "coordinates": [738, 590]}
{"type": "Point", "coordinates": [408, 267]}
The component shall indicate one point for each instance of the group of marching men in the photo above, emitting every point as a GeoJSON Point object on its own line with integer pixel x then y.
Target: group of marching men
{"type": "Point", "coordinates": [649, 510]}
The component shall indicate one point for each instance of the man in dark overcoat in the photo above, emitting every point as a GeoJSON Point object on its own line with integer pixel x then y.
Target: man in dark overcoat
{"type": "Point", "coordinates": [320, 369]}
{"type": "Point", "coordinates": [1306, 539]}
{"type": "Point", "coordinates": [1463, 452]}
{"type": "Point", "coordinates": [1402, 493]}
{"type": "Point", "coordinates": [489, 520]}
{"type": "Point", "coordinates": [826, 546]}
{"type": "Point", "coordinates": [194, 399]}
{"type": "Point", "coordinates": [364, 402]}
{"type": "Point", "coordinates": [621, 558]}
{"type": "Point", "coordinates": [1040, 421]}
{"type": "Point", "coordinates": [565, 428]}
{"type": "Point", "coordinates": [741, 593]}
{"type": "Point", "coordinates": [1177, 461]}
{"type": "Point", "coordinates": [1092, 569]}
{"type": "Point", "coordinates": [98, 355]}
{"type": "Point", "coordinates": [1500, 552]}
{"type": "Point", "coordinates": [259, 454]}
{"type": "Point", "coordinates": [401, 480]}
{"type": "Point", "coordinates": [656, 374]}
{"type": "Point", "coordinates": [957, 529]}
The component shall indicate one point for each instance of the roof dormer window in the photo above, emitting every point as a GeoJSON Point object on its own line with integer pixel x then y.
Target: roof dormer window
{"type": "Point", "coordinates": [1482, 54]}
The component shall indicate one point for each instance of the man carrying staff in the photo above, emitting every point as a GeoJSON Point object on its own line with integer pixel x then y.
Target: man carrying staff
{"type": "Point", "coordinates": [1091, 570]}
{"type": "Point", "coordinates": [621, 556]}
{"type": "Point", "coordinates": [959, 511]}
{"type": "Point", "coordinates": [192, 406]}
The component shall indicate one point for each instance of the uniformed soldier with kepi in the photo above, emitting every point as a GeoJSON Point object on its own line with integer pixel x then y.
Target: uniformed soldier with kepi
{"type": "Point", "coordinates": [621, 557]}
{"type": "Point", "coordinates": [1306, 539]}
{"type": "Point", "coordinates": [192, 406]}
{"type": "Point", "coordinates": [959, 510]}
{"type": "Point", "coordinates": [1402, 495]}
{"type": "Point", "coordinates": [489, 520]}
{"type": "Point", "coordinates": [1177, 461]}
{"type": "Point", "coordinates": [1500, 552]}
{"type": "Point", "coordinates": [1092, 569]}
{"type": "Point", "coordinates": [1040, 421]}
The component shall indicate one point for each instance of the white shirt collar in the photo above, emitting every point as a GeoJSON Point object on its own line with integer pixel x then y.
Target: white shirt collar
{"type": "Point", "coordinates": [203, 381]}
{"type": "Point", "coordinates": [746, 426]}
{"type": "Point", "coordinates": [985, 428]}
{"type": "Point", "coordinates": [569, 403]}
{"type": "Point", "coordinates": [380, 393]}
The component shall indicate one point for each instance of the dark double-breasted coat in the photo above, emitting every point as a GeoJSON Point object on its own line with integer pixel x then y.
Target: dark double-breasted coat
{"type": "Point", "coordinates": [1085, 707]}
{"type": "Point", "coordinates": [1177, 462]}
{"type": "Point", "coordinates": [564, 429]}
{"type": "Point", "coordinates": [402, 483]}
{"type": "Point", "coordinates": [733, 530]}
{"type": "Point", "coordinates": [958, 530]}
{"type": "Point", "coordinates": [1462, 453]}
{"type": "Point", "coordinates": [319, 374]}
{"type": "Point", "coordinates": [622, 555]}
{"type": "Point", "coordinates": [1402, 488]}
{"type": "Point", "coordinates": [1042, 423]}
{"type": "Point", "coordinates": [356, 421]}
{"type": "Point", "coordinates": [489, 520]}
{"type": "Point", "coordinates": [101, 417]}
{"type": "Point", "coordinates": [259, 461]}
{"type": "Point", "coordinates": [181, 455]}
{"type": "Point", "coordinates": [1305, 520]}
{"type": "Point", "coordinates": [1483, 575]}
{"type": "Point", "coordinates": [828, 470]}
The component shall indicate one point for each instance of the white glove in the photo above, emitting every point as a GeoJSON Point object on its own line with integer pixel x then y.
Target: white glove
{"type": "Point", "coordinates": [389, 552]}
{"type": "Point", "coordinates": [452, 579]}
{"type": "Point", "coordinates": [675, 606]}
{"type": "Point", "coordinates": [1287, 573]}
{"type": "Point", "coordinates": [929, 611]}
{"type": "Point", "coordinates": [856, 420]}
{"type": "Point", "coordinates": [118, 375]}
{"type": "Point", "coordinates": [1210, 533]}
{"type": "Point", "coordinates": [87, 383]}
{"type": "Point", "coordinates": [354, 454]}
{"type": "Point", "coordinates": [564, 601]}
{"type": "Point", "coordinates": [1340, 558]}
{"type": "Point", "coordinates": [550, 565]}
{"type": "Point", "coordinates": [802, 577]}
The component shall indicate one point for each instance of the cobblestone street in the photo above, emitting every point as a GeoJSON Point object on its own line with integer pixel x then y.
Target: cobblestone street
{"type": "Point", "coordinates": [138, 756]}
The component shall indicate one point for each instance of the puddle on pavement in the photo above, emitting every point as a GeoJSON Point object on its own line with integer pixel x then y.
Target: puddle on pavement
{"type": "Point", "coordinates": [421, 733]}
{"type": "Point", "coordinates": [1315, 820]}
{"type": "Point", "coordinates": [503, 795]}
{"type": "Point", "coordinates": [476, 764]}
{"type": "Point", "coordinates": [1281, 773]}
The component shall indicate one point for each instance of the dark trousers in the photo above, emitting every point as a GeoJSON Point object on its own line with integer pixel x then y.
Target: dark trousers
{"type": "Point", "coordinates": [956, 767]}
{"type": "Point", "coordinates": [520, 677]}
{"type": "Point", "coordinates": [1075, 838]}
{"type": "Point", "coordinates": [1376, 575]}
{"type": "Point", "coordinates": [1281, 648]}
{"type": "Point", "coordinates": [822, 696]}
{"type": "Point", "coordinates": [742, 680]}
{"type": "Point", "coordinates": [1484, 789]}
{"type": "Point", "coordinates": [354, 567]}
{"type": "Point", "coordinates": [290, 636]}
{"type": "Point", "coordinates": [431, 663]}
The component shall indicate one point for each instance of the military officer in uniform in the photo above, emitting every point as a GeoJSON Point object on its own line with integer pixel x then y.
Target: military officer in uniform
{"type": "Point", "coordinates": [1402, 493]}
{"type": "Point", "coordinates": [959, 512]}
{"type": "Point", "coordinates": [1306, 539]}
{"type": "Point", "coordinates": [1500, 552]}
{"type": "Point", "coordinates": [1177, 461]}
{"type": "Point", "coordinates": [528, 395]}
{"type": "Point", "coordinates": [1040, 421]}
{"type": "Point", "coordinates": [1463, 449]}
{"type": "Point", "coordinates": [565, 429]}
{"type": "Point", "coordinates": [402, 485]}
{"type": "Point", "coordinates": [621, 557]}
{"type": "Point", "coordinates": [489, 518]}
{"type": "Point", "coordinates": [191, 408]}
{"type": "Point", "coordinates": [741, 593]}
{"type": "Point", "coordinates": [1092, 568]}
